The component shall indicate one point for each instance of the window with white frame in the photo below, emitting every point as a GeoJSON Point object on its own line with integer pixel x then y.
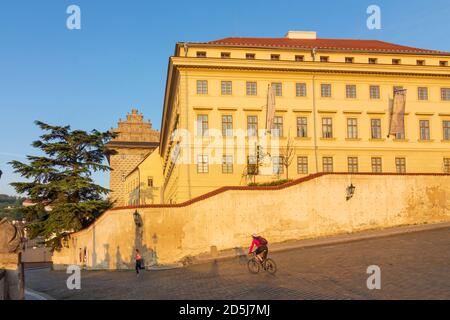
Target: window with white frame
{"type": "Point", "coordinates": [226, 88]}
{"type": "Point", "coordinates": [374, 92]}
{"type": "Point", "coordinates": [277, 126]}
{"type": "Point", "coordinates": [446, 128]}
{"type": "Point", "coordinates": [327, 128]}
{"type": "Point", "coordinates": [277, 164]}
{"type": "Point", "coordinates": [325, 90]}
{"type": "Point", "coordinates": [277, 89]}
{"type": "Point", "coordinates": [300, 89]}
{"type": "Point", "coordinates": [302, 165]}
{"type": "Point", "coordinates": [202, 86]}
{"type": "Point", "coordinates": [227, 125]}
{"type": "Point", "coordinates": [422, 93]}
{"type": "Point", "coordinates": [376, 165]}
{"type": "Point", "coordinates": [352, 128]}
{"type": "Point", "coordinates": [424, 129]}
{"type": "Point", "coordinates": [375, 128]}
{"type": "Point", "coordinates": [352, 163]}
{"type": "Point", "coordinates": [302, 127]}
{"type": "Point", "coordinates": [202, 163]}
{"type": "Point", "coordinates": [202, 125]}
{"type": "Point", "coordinates": [400, 165]}
{"type": "Point", "coordinates": [445, 94]}
{"type": "Point", "coordinates": [227, 164]}
{"type": "Point", "coordinates": [327, 164]}
{"type": "Point", "coordinates": [252, 126]}
{"type": "Point", "coordinates": [446, 165]}
{"type": "Point", "coordinates": [350, 91]}
{"type": "Point", "coordinates": [251, 88]}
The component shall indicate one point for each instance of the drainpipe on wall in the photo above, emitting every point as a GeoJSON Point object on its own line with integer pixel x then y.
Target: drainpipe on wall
{"type": "Point", "coordinates": [313, 54]}
{"type": "Point", "coordinates": [187, 128]}
{"type": "Point", "coordinates": [139, 187]}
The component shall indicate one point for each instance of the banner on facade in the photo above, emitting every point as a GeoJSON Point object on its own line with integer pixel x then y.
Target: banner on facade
{"type": "Point", "coordinates": [397, 108]}
{"type": "Point", "coordinates": [270, 108]}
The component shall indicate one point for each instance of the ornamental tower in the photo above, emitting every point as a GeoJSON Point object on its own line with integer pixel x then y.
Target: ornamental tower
{"type": "Point", "coordinates": [135, 140]}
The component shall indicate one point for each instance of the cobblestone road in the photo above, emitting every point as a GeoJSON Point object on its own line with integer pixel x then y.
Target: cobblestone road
{"type": "Point", "coordinates": [413, 266]}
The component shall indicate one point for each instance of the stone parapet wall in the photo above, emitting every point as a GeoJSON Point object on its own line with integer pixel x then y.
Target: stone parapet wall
{"type": "Point", "coordinates": [311, 207]}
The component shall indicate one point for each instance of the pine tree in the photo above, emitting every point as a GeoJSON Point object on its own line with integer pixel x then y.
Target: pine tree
{"type": "Point", "coordinates": [64, 196]}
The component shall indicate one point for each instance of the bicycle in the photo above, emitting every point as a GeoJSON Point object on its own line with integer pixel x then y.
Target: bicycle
{"type": "Point", "coordinates": [254, 264]}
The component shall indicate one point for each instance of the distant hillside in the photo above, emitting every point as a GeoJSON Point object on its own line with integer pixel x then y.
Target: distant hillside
{"type": "Point", "coordinates": [10, 201]}
{"type": "Point", "coordinates": [6, 200]}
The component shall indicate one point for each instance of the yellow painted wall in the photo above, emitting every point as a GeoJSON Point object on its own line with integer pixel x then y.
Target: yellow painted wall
{"type": "Point", "coordinates": [310, 209]}
{"type": "Point", "coordinates": [421, 156]}
{"type": "Point", "coordinates": [138, 190]}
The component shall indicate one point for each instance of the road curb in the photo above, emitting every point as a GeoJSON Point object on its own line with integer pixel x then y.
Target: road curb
{"type": "Point", "coordinates": [37, 295]}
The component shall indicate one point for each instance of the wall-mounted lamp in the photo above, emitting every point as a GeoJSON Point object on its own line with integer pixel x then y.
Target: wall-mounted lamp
{"type": "Point", "coordinates": [350, 191]}
{"type": "Point", "coordinates": [137, 219]}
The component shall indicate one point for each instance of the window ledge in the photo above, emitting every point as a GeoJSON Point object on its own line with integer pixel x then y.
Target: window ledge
{"type": "Point", "coordinates": [303, 138]}
{"type": "Point", "coordinates": [377, 140]}
{"type": "Point", "coordinates": [328, 139]}
{"type": "Point", "coordinates": [400, 140]}
{"type": "Point", "coordinates": [445, 141]}
{"type": "Point", "coordinates": [425, 141]}
{"type": "Point", "coordinates": [352, 139]}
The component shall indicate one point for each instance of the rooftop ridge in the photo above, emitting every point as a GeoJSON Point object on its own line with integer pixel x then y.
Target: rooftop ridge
{"type": "Point", "coordinates": [344, 44]}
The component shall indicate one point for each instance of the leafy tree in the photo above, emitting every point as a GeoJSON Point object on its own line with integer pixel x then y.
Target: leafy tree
{"type": "Point", "coordinates": [64, 196]}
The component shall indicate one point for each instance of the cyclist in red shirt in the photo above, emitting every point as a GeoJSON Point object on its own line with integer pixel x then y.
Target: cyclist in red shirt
{"type": "Point", "coordinates": [261, 247]}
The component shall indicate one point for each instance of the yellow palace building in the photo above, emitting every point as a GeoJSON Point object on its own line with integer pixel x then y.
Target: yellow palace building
{"type": "Point", "coordinates": [332, 111]}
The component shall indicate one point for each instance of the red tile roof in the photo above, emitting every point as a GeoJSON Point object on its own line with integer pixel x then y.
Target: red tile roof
{"type": "Point", "coordinates": [327, 44]}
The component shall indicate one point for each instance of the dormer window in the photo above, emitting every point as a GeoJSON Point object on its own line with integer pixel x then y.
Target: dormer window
{"type": "Point", "coordinates": [443, 63]}
{"type": "Point", "coordinates": [420, 62]}
{"type": "Point", "coordinates": [396, 61]}
{"type": "Point", "coordinates": [349, 60]}
{"type": "Point", "coordinates": [225, 55]}
{"type": "Point", "coordinates": [324, 59]}
{"type": "Point", "coordinates": [373, 60]}
{"type": "Point", "coordinates": [250, 56]}
{"type": "Point", "coordinates": [201, 54]}
{"type": "Point", "coordinates": [299, 58]}
{"type": "Point", "coordinates": [274, 57]}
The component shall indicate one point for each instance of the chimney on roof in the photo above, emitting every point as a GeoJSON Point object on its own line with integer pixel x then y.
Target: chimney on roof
{"type": "Point", "coordinates": [301, 35]}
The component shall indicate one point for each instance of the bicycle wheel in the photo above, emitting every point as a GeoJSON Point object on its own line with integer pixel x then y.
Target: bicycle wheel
{"type": "Point", "coordinates": [270, 266]}
{"type": "Point", "coordinates": [253, 266]}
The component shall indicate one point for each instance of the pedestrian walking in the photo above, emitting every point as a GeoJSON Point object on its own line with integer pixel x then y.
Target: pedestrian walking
{"type": "Point", "coordinates": [138, 258]}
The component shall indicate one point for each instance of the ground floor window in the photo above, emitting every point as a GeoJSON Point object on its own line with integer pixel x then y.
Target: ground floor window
{"type": "Point", "coordinates": [277, 165]}
{"type": "Point", "coordinates": [302, 165]}
{"type": "Point", "coordinates": [202, 163]}
{"type": "Point", "coordinates": [376, 165]}
{"type": "Point", "coordinates": [352, 164]}
{"type": "Point", "coordinates": [227, 164]}
{"type": "Point", "coordinates": [327, 163]}
{"type": "Point", "coordinates": [447, 165]}
{"type": "Point", "coordinates": [400, 164]}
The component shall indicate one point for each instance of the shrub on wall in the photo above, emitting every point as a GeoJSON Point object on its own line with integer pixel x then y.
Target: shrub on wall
{"type": "Point", "coordinates": [270, 184]}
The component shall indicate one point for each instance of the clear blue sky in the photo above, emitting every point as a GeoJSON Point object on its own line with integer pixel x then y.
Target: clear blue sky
{"type": "Point", "coordinates": [90, 78]}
